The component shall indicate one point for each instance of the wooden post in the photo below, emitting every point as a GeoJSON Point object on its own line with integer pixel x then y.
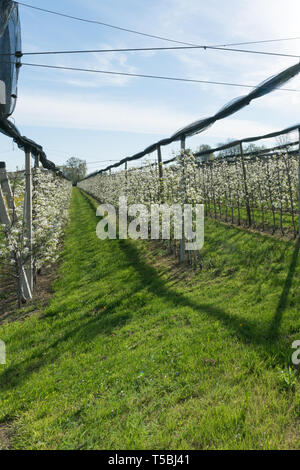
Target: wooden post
{"type": "Point", "coordinates": [28, 216]}
{"type": "Point", "coordinates": [299, 187]}
{"type": "Point", "coordinates": [36, 161]}
{"type": "Point", "coordinates": [160, 171]}
{"type": "Point", "coordinates": [126, 178]}
{"type": "Point", "coordinates": [4, 215]}
{"type": "Point", "coordinates": [159, 159]}
{"type": "Point", "coordinates": [182, 193]}
{"type": "Point", "coordinates": [6, 186]}
{"type": "Point", "coordinates": [6, 198]}
{"type": "Point", "coordinates": [245, 185]}
{"type": "Point", "coordinates": [5, 219]}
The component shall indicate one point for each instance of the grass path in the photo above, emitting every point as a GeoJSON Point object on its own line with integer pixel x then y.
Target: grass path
{"type": "Point", "coordinates": [133, 354]}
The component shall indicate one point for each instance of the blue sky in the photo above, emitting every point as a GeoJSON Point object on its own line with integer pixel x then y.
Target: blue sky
{"type": "Point", "coordinates": [102, 118]}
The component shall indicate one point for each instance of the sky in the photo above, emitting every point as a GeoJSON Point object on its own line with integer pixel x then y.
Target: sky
{"type": "Point", "coordinates": [102, 118]}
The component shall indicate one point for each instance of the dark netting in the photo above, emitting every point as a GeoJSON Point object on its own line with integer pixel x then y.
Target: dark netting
{"type": "Point", "coordinates": [5, 13]}
{"type": "Point", "coordinates": [230, 108]}
{"type": "Point", "coordinates": [203, 123]}
{"type": "Point", "coordinates": [10, 61]}
{"type": "Point", "coordinates": [10, 44]}
{"type": "Point", "coordinates": [236, 143]}
{"type": "Point", "coordinates": [235, 105]}
{"type": "Point", "coordinates": [275, 82]}
{"type": "Point", "coordinates": [9, 129]}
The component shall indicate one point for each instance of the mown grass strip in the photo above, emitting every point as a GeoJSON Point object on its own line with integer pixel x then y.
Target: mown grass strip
{"type": "Point", "coordinates": [130, 355]}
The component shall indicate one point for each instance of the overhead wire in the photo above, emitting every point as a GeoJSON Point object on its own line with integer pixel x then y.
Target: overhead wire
{"type": "Point", "coordinates": [159, 77]}
{"type": "Point", "coordinates": [157, 49]}
{"type": "Point", "coordinates": [101, 23]}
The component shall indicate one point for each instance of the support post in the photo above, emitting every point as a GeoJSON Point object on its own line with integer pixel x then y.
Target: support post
{"type": "Point", "coordinates": [126, 178]}
{"type": "Point", "coordinates": [299, 187]}
{"type": "Point", "coordinates": [5, 220]}
{"type": "Point", "coordinates": [160, 171]}
{"type": "Point", "coordinates": [36, 161]}
{"type": "Point", "coordinates": [159, 159]}
{"type": "Point", "coordinates": [28, 216]}
{"type": "Point", "coordinates": [182, 193]}
{"type": "Point", "coordinates": [4, 215]}
{"type": "Point", "coordinates": [245, 186]}
{"type": "Point", "coordinates": [4, 181]}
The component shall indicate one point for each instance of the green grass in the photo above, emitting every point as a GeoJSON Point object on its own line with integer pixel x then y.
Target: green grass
{"type": "Point", "coordinates": [131, 354]}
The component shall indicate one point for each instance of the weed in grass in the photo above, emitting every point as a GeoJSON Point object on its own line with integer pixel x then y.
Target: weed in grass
{"type": "Point", "coordinates": [288, 378]}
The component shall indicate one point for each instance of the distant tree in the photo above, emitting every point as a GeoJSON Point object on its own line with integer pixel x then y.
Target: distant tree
{"type": "Point", "coordinates": [235, 150]}
{"type": "Point", "coordinates": [75, 169]}
{"type": "Point", "coordinates": [254, 148]}
{"type": "Point", "coordinates": [283, 140]}
{"type": "Point", "coordinates": [208, 156]}
{"type": "Point", "coordinates": [231, 151]}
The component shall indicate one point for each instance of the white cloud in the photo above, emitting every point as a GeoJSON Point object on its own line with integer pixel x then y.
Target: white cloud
{"type": "Point", "coordinates": [107, 61]}
{"type": "Point", "coordinates": [238, 128]}
{"type": "Point", "coordinates": [72, 112]}
{"type": "Point", "coordinates": [218, 22]}
{"type": "Point", "coordinates": [69, 112]}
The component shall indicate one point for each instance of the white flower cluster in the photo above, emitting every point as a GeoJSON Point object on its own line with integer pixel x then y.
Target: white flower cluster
{"type": "Point", "coordinates": [266, 186]}
{"type": "Point", "coordinates": [50, 204]}
{"type": "Point", "coordinates": [51, 201]}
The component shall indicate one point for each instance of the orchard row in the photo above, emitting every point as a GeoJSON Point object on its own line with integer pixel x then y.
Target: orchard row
{"type": "Point", "coordinates": [260, 191]}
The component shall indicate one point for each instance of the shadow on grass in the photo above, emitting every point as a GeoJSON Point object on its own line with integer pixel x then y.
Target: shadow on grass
{"type": "Point", "coordinates": [264, 339]}
{"type": "Point", "coordinates": [78, 339]}
{"type": "Point", "coordinates": [274, 327]}
{"type": "Point", "coordinates": [251, 332]}
{"type": "Point", "coordinates": [74, 336]}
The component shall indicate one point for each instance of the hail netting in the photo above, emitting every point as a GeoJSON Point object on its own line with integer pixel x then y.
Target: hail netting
{"type": "Point", "coordinates": [232, 107]}
{"type": "Point", "coordinates": [10, 44]}
{"type": "Point", "coordinates": [10, 52]}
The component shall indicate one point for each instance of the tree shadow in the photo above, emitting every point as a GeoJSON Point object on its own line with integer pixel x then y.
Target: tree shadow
{"type": "Point", "coordinates": [251, 332]}
{"type": "Point", "coordinates": [68, 337]}
{"type": "Point", "coordinates": [265, 339]}
{"type": "Point", "coordinates": [274, 327]}
{"type": "Point", "coordinates": [104, 323]}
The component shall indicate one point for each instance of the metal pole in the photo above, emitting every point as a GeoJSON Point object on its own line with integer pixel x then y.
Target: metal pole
{"type": "Point", "coordinates": [182, 191]}
{"type": "Point", "coordinates": [28, 215]}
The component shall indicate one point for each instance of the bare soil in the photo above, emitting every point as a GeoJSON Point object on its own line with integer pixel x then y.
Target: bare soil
{"type": "Point", "coordinates": [9, 310]}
